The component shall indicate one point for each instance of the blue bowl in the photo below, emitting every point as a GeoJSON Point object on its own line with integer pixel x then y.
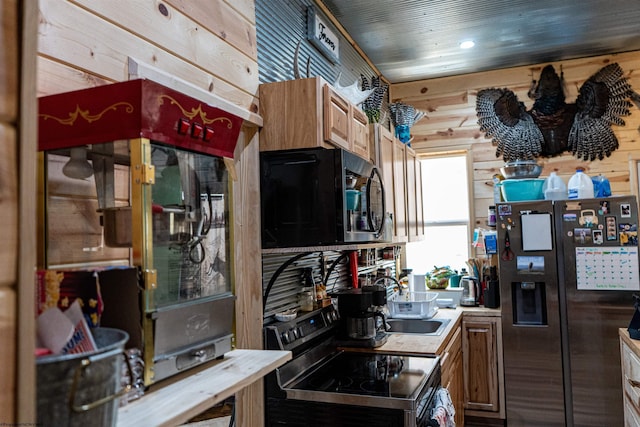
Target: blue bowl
{"type": "Point", "coordinates": [520, 190]}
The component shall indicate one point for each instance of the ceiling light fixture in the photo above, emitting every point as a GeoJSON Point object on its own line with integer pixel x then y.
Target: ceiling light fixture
{"type": "Point", "coordinates": [467, 44]}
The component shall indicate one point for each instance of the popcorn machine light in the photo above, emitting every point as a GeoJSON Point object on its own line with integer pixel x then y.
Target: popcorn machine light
{"type": "Point", "coordinates": [136, 186]}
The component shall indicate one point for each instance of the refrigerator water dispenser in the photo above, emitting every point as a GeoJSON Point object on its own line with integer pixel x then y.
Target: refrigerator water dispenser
{"type": "Point", "coordinates": [529, 306]}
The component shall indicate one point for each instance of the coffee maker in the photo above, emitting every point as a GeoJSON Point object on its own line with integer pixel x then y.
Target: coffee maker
{"type": "Point", "coordinates": [363, 322]}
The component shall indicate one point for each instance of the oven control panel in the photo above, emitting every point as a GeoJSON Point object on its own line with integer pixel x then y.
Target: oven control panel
{"type": "Point", "coordinates": [289, 335]}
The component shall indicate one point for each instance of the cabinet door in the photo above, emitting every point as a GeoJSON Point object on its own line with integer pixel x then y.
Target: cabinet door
{"type": "Point", "coordinates": [360, 133]}
{"type": "Point", "coordinates": [336, 121]}
{"type": "Point", "coordinates": [399, 165]}
{"type": "Point", "coordinates": [414, 203]}
{"type": "Point", "coordinates": [480, 359]}
{"type": "Point", "coordinates": [453, 374]}
{"type": "Point", "coordinates": [419, 201]}
{"type": "Point", "coordinates": [384, 161]}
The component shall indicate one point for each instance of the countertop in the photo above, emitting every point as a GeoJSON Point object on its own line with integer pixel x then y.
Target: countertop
{"type": "Point", "coordinates": [419, 344]}
{"type": "Point", "coordinates": [181, 400]}
{"type": "Point", "coordinates": [634, 345]}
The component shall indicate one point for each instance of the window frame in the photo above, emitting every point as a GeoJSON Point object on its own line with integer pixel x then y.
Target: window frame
{"type": "Point", "coordinates": [440, 152]}
{"type": "Point", "coordinates": [451, 152]}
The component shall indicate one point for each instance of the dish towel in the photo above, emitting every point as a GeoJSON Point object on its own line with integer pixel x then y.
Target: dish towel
{"type": "Point", "coordinates": [443, 411]}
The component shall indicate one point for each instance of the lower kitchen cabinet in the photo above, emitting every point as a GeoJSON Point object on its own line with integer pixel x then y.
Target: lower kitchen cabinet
{"type": "Point", "coordinates": [630, 358]}
{"type": "Point", "coordinates": [452, 374]}
{"type": "Point", "coordinates": [483, 367]}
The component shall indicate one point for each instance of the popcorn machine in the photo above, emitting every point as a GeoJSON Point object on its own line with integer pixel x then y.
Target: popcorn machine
{"type": "Point", "coordinates": [135, 186]}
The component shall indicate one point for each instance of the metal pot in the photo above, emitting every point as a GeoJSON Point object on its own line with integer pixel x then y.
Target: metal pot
{"type": "Point", "coordinates": [519, 169]}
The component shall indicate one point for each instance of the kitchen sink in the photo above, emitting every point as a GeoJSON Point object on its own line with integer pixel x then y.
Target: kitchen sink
{"type": "Point", "coordinates": [418, 326]}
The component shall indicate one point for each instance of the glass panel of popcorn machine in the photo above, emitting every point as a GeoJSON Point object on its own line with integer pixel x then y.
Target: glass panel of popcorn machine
{"type": "Point", "coordinates": [190, 205]}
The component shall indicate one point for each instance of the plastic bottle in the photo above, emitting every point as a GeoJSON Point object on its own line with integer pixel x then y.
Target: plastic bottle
{"type": "Point", "coordinates": [601, 186]}
{"type": "Point", "coordinates": [491, 216]}
{"type": "Point", "coordinates": [580, 186]}
{"type": "Point", "coordinates": [554, 188]}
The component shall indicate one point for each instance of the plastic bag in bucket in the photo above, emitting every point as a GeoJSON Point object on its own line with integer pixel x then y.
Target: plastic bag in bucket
{"type": "Point", "coordinates": [82, 389]}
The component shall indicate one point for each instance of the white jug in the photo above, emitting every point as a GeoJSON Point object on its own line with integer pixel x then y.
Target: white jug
{"type": "Point", "coordinates": [554, 188]}
{"type": "Point", "coordinates": [580, 186]}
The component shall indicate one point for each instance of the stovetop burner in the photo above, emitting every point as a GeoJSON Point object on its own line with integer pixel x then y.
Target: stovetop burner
{"type": "Point", "coordinates": [369, 375]}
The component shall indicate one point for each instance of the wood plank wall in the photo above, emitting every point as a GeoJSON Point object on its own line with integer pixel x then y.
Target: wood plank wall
{"type": "Point", "coordinates": [452, 123]}
{"type": "Point", "coordinates": [9, 95]}
{"type": "Point", "coordinates": [210, 44]}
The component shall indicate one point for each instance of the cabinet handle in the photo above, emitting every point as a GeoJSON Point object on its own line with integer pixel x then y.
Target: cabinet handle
{"type": "Point", "coordinates": [633, 383]}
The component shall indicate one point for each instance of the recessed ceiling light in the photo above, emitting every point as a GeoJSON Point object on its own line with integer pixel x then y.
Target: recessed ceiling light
{"type": "Point", "coordinates": [467, 44]}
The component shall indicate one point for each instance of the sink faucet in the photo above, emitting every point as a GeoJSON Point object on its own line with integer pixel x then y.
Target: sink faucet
{"type": "Point", "coordinates": [390, 287]}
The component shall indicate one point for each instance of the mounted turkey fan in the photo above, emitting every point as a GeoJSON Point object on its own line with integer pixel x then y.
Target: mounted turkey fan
{"type": "Point", "coordinates": [552, 126]}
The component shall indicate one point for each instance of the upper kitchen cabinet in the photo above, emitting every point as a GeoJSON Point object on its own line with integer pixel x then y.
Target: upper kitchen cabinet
{"type": "Point", "coordinates": [390, 161]}
{"type": "Point", "coordinates": [415, 212]}
{"type": "Point", "coordinates": [402, 175]}
{"type": "Point", "coordinates": [307, 113]}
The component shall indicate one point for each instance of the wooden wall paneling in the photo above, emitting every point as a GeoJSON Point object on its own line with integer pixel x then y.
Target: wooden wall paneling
{"type": "Point", "coordinates": [9, 38]}
{"type": "Point", "coordinates": [27, 143]}
{"type": "Point", "coordinates": [55, 77]}
{"type": "Point", "coordinates": [8, 205]}
{"type": "Point", "coordinates": [8, 315]}
{"type": "Point", "coordinates": [174, 32]}
{"type": "Point", "coordinates": [71, 35]}
{"type": "Point", "coordinates": [451, 121]}
{"type": "Point", "coordinates": [224, 21]}
{"type": "Point", "coordinates": [248, 268]}
{"type": "Point", "coordinates": [245, 7]}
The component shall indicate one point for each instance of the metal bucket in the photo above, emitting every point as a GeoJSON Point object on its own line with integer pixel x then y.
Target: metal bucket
{"type": "Point", "coordinates": [82, 389]}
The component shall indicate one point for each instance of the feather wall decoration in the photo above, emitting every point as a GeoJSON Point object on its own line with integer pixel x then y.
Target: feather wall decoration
{"type": "Point", "coordinates": [552, 127]}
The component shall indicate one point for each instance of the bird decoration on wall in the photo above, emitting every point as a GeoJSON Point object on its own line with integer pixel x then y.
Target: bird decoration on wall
{"type": "Point", "coordinates": [552, 127]}
{"type": "Point", "coordinates": [403, 117]}
{"type": "Point", "coordinates": [372, 106]}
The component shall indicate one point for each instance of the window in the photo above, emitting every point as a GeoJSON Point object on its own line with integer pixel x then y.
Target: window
{"type": "Point", "coordinates": [446, 214]}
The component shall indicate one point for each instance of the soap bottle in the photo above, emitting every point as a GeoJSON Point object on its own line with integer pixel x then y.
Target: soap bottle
{"type": "Point", "coordinates": [405, 280]}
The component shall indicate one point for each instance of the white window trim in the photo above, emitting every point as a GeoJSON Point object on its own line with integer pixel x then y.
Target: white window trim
{"type": "Point", "coordinates": [457, 151]}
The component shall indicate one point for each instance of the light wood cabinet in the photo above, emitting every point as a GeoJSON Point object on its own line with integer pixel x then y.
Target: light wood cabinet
{"type": "Point", "coordinates": [308, 113]}
{"type": "Point", "coordinates": [402, 175]}
{"type": "Point", "coordinates": [415, 212]}
{"type": "Point", "coordinates": [360, 134]}
{"type": "Point", "coordinates": [482, 361]}
{"type": "Point", "coordinates": [391, 161]}
{"type": "Point", "coordinates": [453, 374]}
{"type": "Point", "coordinates": [630, 360]}
{"type": "Point", "coordinates": [336, 118]}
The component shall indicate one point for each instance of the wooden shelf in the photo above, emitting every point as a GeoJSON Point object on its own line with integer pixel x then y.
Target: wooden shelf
{"type": "Point", "coordinates": [181, 400]}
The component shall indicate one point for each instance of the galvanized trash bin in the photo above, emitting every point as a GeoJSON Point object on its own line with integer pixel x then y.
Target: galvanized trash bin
{"type": "Point", "coordinates": [82, 389]}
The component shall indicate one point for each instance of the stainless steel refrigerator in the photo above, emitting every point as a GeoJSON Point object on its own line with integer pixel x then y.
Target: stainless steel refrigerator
{"type": "Point", "coordinates": [568, 270]}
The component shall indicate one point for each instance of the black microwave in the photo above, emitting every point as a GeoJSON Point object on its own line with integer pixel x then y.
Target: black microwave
{"type": "Point", "coordinates": [318, 196]}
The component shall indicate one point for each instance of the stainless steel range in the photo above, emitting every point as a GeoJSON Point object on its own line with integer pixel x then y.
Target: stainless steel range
{"type": "Point", "coordinates": [324, 385]}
